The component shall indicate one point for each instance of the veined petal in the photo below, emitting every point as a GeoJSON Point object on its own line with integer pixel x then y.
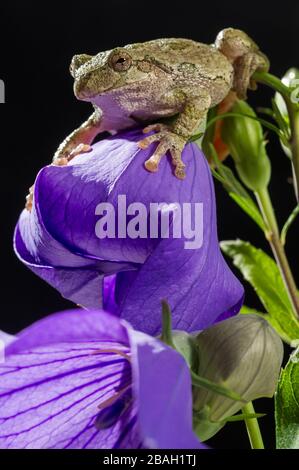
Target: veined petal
{"type": "Point", "coordinates": [82, 379]}
{"type": "Point", "coordinates": [59, 375]}
{"type": "Point", "coordinates": [50, 396]}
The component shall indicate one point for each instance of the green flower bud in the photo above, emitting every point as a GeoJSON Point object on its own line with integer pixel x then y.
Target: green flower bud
{"type": "Point", "coordinates": [291, 80]}
{"type": "Point", "coordinates": [244, 137]}
{"type": "Point", "coordinates": [244, 354]}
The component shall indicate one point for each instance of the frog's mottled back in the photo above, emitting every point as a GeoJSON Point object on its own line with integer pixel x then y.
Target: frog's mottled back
{"type": "Point", "coordinates": [198, 64]}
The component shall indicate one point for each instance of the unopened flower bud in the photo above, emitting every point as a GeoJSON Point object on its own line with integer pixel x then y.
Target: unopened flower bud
{"type": "Point", "coordinates": [291, 80]}
{"type": "Point", "coordinates": [244, 354]}
{"type": "Point", "coordinates": [244, 137]}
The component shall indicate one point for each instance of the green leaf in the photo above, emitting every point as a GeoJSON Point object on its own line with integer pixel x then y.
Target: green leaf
{"type": "Point", "coordinates": [248, 206]}
{"type": "Point", "coordinates": [235, 189]}
{"type": "Point", "coordinates": [288, 223]}
{"type": "Point", "coordinates": [287, 405]}
{"type": "Point", "coordinates": [261, 271]}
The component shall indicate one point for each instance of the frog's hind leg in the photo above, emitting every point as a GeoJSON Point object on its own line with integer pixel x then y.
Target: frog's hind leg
{"type": "Point", "coordinates": [244, 55]}
{"type": "Point", "coordinates": [244, 67]}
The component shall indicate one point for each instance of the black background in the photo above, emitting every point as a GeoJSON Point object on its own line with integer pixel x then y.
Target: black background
{"type": "Point", "coordinates": [37, 41]}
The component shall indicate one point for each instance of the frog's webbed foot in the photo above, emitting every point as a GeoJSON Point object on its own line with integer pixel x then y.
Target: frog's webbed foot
{"type": "Point", "coordinates": [168, 141]}
{"type": "Point", "coordinates": [63, 157]}
{"type": "Point", "coordinates": [245, 66]}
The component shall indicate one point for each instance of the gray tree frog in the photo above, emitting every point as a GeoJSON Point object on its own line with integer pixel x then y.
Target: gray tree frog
{"type": "Point", "coordinates": [141, 83]}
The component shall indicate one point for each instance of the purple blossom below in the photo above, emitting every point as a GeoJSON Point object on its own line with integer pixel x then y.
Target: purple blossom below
{"type": "Point", "coordinates": [82, 379]}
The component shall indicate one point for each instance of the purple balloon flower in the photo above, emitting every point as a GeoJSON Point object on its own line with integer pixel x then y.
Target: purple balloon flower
{"type": "Point", "coordinates": [82, 379]}
{"type": "Point", "coordinates": [129, 275]}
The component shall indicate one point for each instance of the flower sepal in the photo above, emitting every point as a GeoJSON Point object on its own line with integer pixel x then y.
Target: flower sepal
{"type": "Point", "coordinates": [185, 344]}
{"type": "Point", "coordinates": [203, 427]}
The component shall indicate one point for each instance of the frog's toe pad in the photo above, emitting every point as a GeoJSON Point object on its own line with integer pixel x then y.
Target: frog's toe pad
{"type": "Point", "coordinates": [168, 141]}
{"type": "Point", "coordinates": [151, 165]}
{"type": "Point", "coordinates": [60, 161]}
{"type": "Point", "coordinates": [81, 148]}
{"type": "Point", "coordinates": [180, 173]}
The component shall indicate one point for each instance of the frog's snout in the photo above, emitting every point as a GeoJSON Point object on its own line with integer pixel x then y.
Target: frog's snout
{"type": "Point", "coordinates": [82, 88]}
{"type": "Point", "coordinates": [79, 69]}
{"type": "Point", "coordinates": [77, 62]}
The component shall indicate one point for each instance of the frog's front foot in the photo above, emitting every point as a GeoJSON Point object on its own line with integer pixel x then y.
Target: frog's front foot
{"type": "Point", "coordinates": [29, 199]}
{"type": "Point", "coordinates": [63, 157]}
{"type": "Point", "coordinates": [168, 141]}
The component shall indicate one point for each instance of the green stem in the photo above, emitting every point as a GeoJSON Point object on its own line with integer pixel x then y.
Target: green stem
{"type": "Point", "coordinates": [253, 428]}
{"type": "Point", "coordinates": [293, 112]}
{"type": "Point", "coordinates": [265, 204]}
{"type": "Point", "coordinates": [272, 235]}
{"type": "Point", "coordinates": [294, 143]}
{"type": "Point", "coordinates": [273, 82]}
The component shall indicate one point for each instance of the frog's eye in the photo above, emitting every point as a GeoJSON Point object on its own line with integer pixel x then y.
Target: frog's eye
{"type": "Point", "coordinates": [120, 61]}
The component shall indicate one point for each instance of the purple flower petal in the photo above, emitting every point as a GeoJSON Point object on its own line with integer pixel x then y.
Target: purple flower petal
{"type": "Point", "coordinates": [76, 277]}
{"type": "Point", "coordinates": [77, 379]}
{"type": "Point", "coordinates": [6, 339]}
{"type": "Point", "coordinates": [70, 326]}
{"type": "Point", "coordinates": [50, 396]}
{"type": "Point", "coordinates": [55, 378]}
{"type": "Point", "coordinates": [161, 377]}
{"type": "Point", "coordinates": [57, 239]}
